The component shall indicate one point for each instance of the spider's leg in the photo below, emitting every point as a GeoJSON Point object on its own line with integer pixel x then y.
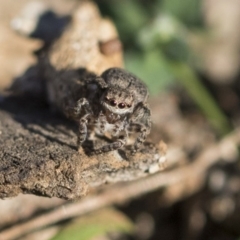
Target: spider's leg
{"type": "Point", "coordinates": [82, 130]}
{"type": "Point", "coordinates": [102, 122]}
{"type": "Point", "coordinates": [119, 126]}
{"type": "Point", "coordinates": [141, 119]}
{"type": "Point", "coordinates": [119, 143]}
{"type": "Point", "coordinates": [82, 105]}
{"type": "Point", "coordinates": [143, 132]}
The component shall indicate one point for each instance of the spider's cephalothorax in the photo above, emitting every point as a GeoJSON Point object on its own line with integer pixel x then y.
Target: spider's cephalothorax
{"type": "Point", "coordinates": [117, 107]}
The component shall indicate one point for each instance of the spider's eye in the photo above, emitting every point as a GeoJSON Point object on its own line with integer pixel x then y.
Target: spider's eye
{"type": "Point", "coordinates": [121, 105]}
{"type": "Point", "coordinates": [129, 105]}
{"type": "Point", "coordinates": [112, 102]}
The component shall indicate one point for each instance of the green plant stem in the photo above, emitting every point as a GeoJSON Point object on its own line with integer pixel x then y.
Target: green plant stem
{"type": "Point", "coordinates": [201, 96]}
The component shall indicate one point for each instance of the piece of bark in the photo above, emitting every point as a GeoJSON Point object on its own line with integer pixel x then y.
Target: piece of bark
{"type": "Point", "coordinates": [38, 153]}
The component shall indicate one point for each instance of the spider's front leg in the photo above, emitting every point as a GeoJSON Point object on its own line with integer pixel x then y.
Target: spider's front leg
{"type": "Point", "coordinates": [117, 144]}
{"type": "Point", "coordinates": [83, 106]}
{"type": "Point", "coordinates": [141, 123]}
{"type": "Point", "coordinates": [118, 128]}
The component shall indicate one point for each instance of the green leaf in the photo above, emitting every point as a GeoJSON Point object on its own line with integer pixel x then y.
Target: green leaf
{"type": "Point", "coordinates": [95, 224]}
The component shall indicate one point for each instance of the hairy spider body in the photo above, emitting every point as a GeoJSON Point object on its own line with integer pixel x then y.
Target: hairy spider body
{"type": "Point", "coordinates": [112, 105]}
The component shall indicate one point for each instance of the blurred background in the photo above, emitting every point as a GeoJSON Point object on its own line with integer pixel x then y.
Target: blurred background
{"type": "Point", "coordinates": [191, 45]}
{"type": "Point", "coordinates": [188, 54]}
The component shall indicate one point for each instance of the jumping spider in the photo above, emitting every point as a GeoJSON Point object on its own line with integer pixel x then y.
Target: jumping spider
{"type": "Point", "coordinates": [115, 105]}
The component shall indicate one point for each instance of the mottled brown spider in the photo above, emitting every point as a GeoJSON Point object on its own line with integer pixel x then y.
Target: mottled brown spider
{"type": "Point", "coordinates": [114, 105]}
